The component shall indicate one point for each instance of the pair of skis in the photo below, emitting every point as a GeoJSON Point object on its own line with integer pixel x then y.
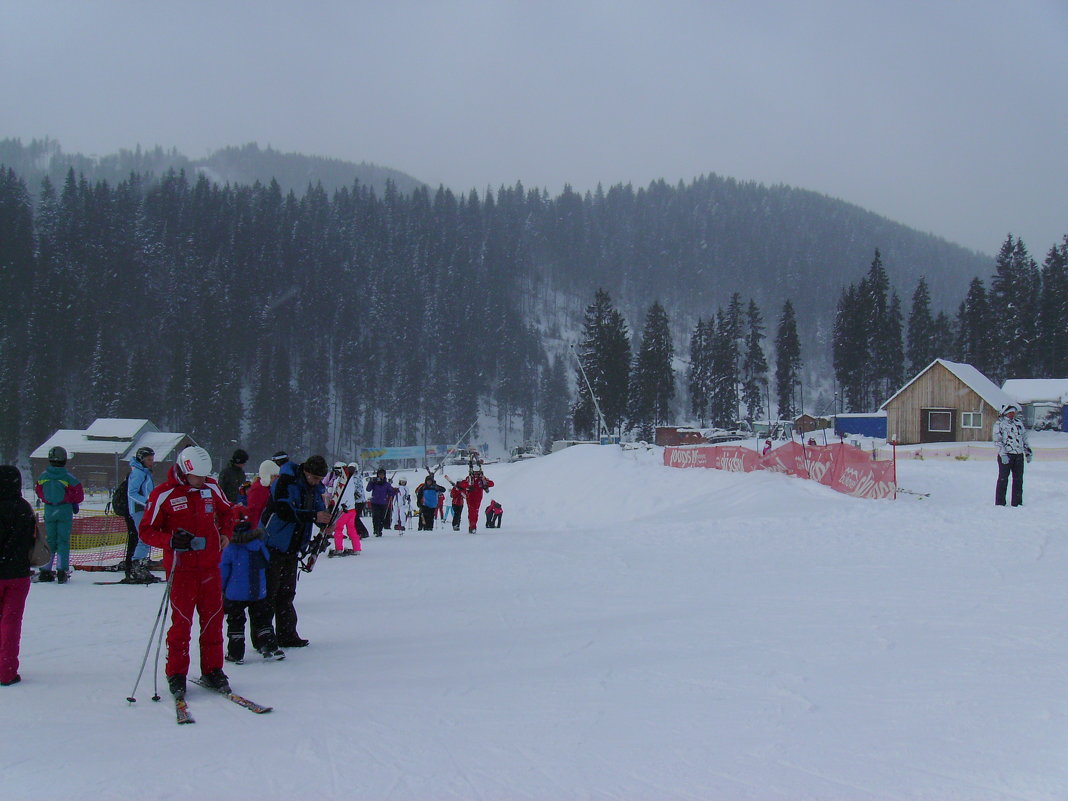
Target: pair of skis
{"type": "Point", "coordinates": [181, 706]}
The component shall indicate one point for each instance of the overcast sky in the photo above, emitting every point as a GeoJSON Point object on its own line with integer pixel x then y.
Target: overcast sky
{"type": "Point", "coordinates": [948, 115]}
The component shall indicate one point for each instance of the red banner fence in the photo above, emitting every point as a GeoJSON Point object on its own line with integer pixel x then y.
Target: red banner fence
{"type": "Point", "coordinates": [841, 467]}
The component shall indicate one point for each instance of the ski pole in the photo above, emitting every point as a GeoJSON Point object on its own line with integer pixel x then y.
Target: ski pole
{"type": "Point", "coordinates": [159, 645]}
{"type": "Point", "coordinates": [132, 697]}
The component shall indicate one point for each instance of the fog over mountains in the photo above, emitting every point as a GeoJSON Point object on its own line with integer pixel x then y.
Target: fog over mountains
{"type": "Point", "coordinates": [431, 301]}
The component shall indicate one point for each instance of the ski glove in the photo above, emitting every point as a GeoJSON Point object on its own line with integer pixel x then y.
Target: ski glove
{"type": "Point", "coordinates": [75, 507]}
{"type": "Point", "coordinates": [1004, 457]}
{"type": "Point", "coordinates": [1028, 457]}
{"type": "Point", "coordinates": [182, 540]}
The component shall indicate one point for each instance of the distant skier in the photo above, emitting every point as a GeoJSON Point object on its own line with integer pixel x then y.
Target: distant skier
{"type": "Point", "coordinates": [402, 506]}
{"type": "Point", "coordinates": [1014, 448]}
{"type": "Point", "coordinates": [353, 497]}
{"type": "Point", "coordinates": [456, 496]}
{"type": "Point", "coordinates": [61, 493]}
{"type": "Point", "coordinates": [426, 496]}
{"type": "Point", "coordinates": [493, 514]}
{"type": "Point", "coordinates": [767, 448]}
{"type": "Point", "coordinates": [473, 486]}
{"type": "Point", "coordinates": [382, 491]}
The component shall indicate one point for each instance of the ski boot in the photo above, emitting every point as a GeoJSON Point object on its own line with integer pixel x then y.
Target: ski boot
{"type": "Point", "coordinates": [471, 530]}
{"type": "Point", "coordinates": [237, 660]}
{"type": "Point", "coordinates": [292, 642]}
{"type": "Point", "coordinates": [45, 575]}
{"type": "Point", "coordinates": [62, 576]}
{"type": "Point", "coordinates": [272, 654]}
{"type": "Point", "coordinates": [176, 683]}
{"type": "Point", "coordinates": [334, 552]}
{"type": "Point", "coordinates": [15, 680]}
{"type": "Point", "coordinates": [216, 680]}
{"type": "Point", "coordinates": [349, 552]}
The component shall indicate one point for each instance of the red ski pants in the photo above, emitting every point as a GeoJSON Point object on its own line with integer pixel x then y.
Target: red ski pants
{"type": "Point", "coordinates": [198, 589]}
{"type": "Point", "coordinates": [474, 501]}
{"type": "Point", "coordinates": [13, 594]}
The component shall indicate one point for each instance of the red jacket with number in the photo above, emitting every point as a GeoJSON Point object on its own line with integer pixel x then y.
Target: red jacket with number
{"type": "Point", "coordinates": [203, 511]}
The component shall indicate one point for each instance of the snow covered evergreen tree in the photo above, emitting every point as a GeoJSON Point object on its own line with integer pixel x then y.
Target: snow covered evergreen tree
{"type": "Point", "coordinates": [1014, 291]}
{"type": "Point", "coordinates": [604, 353]}
{"type": "Point", "coordinates": [652, 381]}
{"type": "Point", "coordinates": [787, 363]}
{"type": "Point", "coordinates": [754, 365]}
{"type": "Point", "coordinates": [921, 349]}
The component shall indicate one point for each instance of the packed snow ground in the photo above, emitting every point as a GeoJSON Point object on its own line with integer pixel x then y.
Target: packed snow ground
{"type": "Point", "coordinates": [633, 632]}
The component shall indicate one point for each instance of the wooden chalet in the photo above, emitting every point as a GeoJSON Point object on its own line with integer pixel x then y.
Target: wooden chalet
{"type": "Point", "coordinates": [946, 402]}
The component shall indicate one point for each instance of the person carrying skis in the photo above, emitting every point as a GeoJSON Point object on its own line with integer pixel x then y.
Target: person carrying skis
{"type": "Point", "coordinates": [1014, 448]}
{"type": "Point", "coordinates": [426, 496]}
{"type": "Point", "coordinates": [296, 506]}
{"type": "Point", "coordinates": [244, 583]}
{"type": "Point", "coordinates": [189, 517]}
{"type": "Point", "coordinates": [139, 486]}
{"type": "Point", "coordinates": [473, 486]}
{"type": "Point", "coordinates": [382, 491]}
{"type": "Point", "coordinates": [353, 498]}
{"type": "Point", "coordinates": [402, 506]}
{"type": "Point", "coordinates": [18, 529]}
{"type": "Point", "coordinates": [493, 514]}
{"type": "Point", "coordinates": [61, 493]}
{"type": "Point", "coordinates": [456, 497]}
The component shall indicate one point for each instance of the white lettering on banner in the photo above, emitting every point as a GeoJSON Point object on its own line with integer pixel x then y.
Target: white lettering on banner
{"type": "Point", "coordinates": [733, 464]}
{"type": "Point", "coordinates": [816, 470]}
{"type": "Point", "coordinates": [850, 478]}
{"type": "Point", "coordinates": [687, 458]}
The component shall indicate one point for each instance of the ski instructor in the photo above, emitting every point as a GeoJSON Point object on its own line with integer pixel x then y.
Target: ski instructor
{"type": "Point", "coordinates": [191, 520]}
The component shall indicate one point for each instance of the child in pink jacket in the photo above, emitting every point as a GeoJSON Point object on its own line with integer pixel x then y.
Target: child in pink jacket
{"type": "Point", "coordinates": [346, 527]}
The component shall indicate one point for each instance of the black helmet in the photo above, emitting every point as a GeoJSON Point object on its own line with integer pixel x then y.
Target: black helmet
{"type": "Point", "coordinates": [380, 471]}
{"type": "Point", "coordinates": [57, 454]}
{"type": "Point", "coordinates": [144, 452]}
{"type": "Point", "coordinates": [280, 458]}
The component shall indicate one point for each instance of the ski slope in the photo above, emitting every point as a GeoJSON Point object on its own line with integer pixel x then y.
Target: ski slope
{"type": "Point", "coordinates": [633, 633]}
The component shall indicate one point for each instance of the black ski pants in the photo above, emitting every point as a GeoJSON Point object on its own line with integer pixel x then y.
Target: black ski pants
{"type": "Point", "coordinates": [456, 512]}
{"type": "Point", "coordinates": [131, 541]}
{"type": "Point", "coordinates": [281, 590]}
{"type": "Point", "coordinates": [492, 520]}
{"type": "Point", "coordinates": [259, 613]}
{"type": "Point", "coordinates": [1016, 468]}
{"type": "Point", "coordinates": [379, 511]}
{"type": "Point", "coordinates": [426, 518]}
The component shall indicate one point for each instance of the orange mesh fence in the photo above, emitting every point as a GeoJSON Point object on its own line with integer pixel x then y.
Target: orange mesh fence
{"type": "Point", "coordinates": [99, 540]}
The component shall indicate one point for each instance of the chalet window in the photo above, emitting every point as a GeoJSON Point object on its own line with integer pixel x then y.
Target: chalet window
{"type": "Point", "coordinates": [971, 420]}
{"type": "Point", "coordinates": [940, 422]}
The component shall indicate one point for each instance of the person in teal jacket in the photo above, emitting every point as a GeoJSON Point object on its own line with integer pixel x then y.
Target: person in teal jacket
{"type": "Point", "coordinates": [61, 493]}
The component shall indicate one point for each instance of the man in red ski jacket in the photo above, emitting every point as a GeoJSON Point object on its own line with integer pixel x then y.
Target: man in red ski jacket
{"type": "Point", "coordinates": [472, 487]}
{"type": "Point", "coordinates": [189, 517]}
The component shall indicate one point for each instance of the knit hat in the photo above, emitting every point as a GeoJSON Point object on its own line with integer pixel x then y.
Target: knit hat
{"type": "Point", "coordinates": [268, 470]}
{"type": "Point", "coordinates": [10, 481]}
{"type": "Point", "coordinates": [240, 457]}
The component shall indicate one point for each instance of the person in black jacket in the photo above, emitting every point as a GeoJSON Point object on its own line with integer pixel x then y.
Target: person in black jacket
{"type": "Point", "coordinates": [18, 526]}
{"type": "Point", "coordinates": [232, 476]}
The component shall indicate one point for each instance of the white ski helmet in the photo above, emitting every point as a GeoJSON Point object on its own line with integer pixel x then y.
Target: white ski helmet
{"type": "Point", "coordinates": [194, 461]}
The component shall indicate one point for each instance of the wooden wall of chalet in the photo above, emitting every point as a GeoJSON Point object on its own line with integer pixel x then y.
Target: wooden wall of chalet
{"type": "Point", "coordinates": [937, 388]}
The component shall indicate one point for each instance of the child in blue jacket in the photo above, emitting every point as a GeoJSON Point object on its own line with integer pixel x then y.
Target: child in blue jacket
{"type": "Point", "coordinates": [244, 581]}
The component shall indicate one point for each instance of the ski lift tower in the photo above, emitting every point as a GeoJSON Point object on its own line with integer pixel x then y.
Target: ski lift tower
{"type": "Point", "coordinates": [602, 435]}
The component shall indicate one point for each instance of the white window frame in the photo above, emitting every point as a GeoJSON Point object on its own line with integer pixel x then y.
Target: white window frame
{"type": "Point", "coordinates": [966, 416]}
{"type": "Point", "coordinates": [948, 413]}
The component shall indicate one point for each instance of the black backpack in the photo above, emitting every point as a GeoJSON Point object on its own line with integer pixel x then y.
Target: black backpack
{"type": "Point", "coordinates": [120, 503]}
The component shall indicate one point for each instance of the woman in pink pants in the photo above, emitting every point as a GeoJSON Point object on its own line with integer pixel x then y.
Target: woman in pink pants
{"type": "Point", "coordinates": [346, 527]}
{"type": "Point", "coordinates": [18, 525]}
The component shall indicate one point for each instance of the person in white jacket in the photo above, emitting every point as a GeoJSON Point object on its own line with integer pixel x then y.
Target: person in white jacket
{"type": "Point", "coordinates": [402, 506]}
{"type": "Point", "coordinates": [1010, 437]}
